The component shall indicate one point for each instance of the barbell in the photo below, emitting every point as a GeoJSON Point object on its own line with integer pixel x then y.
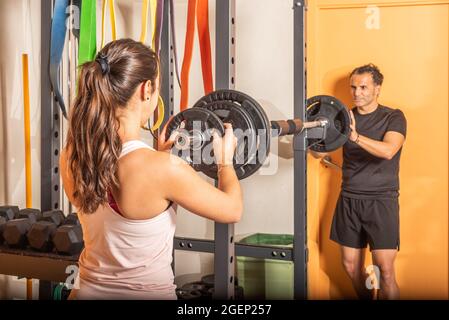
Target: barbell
{"type": "Point", "coordinates": [327, 129]}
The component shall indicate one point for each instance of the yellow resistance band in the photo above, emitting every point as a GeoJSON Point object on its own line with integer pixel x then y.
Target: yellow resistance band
{"type": "Point", "coordinates": [143, 35]}
{"type": "Point", "coordinates": [103, 18]}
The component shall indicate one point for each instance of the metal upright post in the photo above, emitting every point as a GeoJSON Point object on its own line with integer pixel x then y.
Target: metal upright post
{"type": "Point", "coordinates": [50, 120]}
{"type": "Point", "coordinates": [224, 79]}
{"type": "Point", "coordinates": [300, 251]}
{"type": "Point", "coordinates": [166, 57]}
{"type": "Point", "coordinates": [50, 131]}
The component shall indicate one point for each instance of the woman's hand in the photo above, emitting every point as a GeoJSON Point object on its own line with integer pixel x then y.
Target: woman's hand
{"type": "Point", "coordinates": [166, 145]}
{"type": "Point", "coordinates": [224, 147]}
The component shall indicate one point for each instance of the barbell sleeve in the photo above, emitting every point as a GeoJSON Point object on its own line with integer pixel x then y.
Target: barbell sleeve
{"type": "Point", "coordinates": [294, 126]}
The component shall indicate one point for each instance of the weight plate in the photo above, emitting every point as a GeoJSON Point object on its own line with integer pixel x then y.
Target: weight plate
{"type": "Point", "coordinates": [188, 294]}
{"type": "Point", "coordinates": [194, 137]}
{"type": "Point", "coordinates": [256, 115]}
{"type": "Point", "coordinates": [195, 286]}
{"type": "Point", "coordinates": [244, 130]}
{"type": "Point", "coordinates": [337, 130]}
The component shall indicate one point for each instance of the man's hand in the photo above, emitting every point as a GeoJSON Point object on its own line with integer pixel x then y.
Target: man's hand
{"type": "Point", "coordinates": [354, 134]}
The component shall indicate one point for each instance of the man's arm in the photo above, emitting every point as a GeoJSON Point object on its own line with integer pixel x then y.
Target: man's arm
{"type": "Point", "coordinates": [385, 149]}
{"type": "Point", "coordinates": [392, 141]}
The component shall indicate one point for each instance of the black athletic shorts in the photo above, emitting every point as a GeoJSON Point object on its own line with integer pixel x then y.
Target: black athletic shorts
{"type": "Point", "coordinates": [358, 222]}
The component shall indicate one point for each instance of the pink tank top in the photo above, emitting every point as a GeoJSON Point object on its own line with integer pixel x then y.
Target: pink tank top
{"type": "Point", "coordinates": [124, 258]}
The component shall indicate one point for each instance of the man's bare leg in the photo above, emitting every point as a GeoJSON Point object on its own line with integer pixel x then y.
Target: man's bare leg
{"type": "Point", "coordinates": [384, 260]}
{"type": "Point", "coordinates": [354, 263]}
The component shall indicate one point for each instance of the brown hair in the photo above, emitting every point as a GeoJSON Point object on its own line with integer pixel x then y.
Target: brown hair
{"type": "Point", "coordinates": [372, 69]}
{"type": "Point", "coordinates": [104, 85]}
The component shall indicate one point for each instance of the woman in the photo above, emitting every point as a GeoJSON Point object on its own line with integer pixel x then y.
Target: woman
{"type": "Point", "coordinates": [124, 190]}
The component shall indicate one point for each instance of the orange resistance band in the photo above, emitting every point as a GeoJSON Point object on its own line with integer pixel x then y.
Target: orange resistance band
{"type": "Point", "coordinates": [200, 10]}
{"type": "Point", "coordinates": [202, 16]}
{"type": "Point", "coordinates": [187, 60]}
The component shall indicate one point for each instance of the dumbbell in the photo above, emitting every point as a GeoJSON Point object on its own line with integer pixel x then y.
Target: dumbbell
{"type": "Point", "coordinates": [68, 238]}
{"type": "Point", "coordinates": [41, 233]}
{"type": "Point", "coordinates": [15, 230]}
{"type": "Point", "coordinates": [72, 218]}
{"type": "Point", "coordinates": [2, 227]}
{"type": "Point", "coordinates": [8, 212]}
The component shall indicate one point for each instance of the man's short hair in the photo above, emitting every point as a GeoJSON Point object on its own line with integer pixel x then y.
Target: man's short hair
{"type": "Point", "coordinates": [370, 68]}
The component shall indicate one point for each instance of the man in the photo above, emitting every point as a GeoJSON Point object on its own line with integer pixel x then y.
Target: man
{"type": "Point", "coordinates": [367, 211]}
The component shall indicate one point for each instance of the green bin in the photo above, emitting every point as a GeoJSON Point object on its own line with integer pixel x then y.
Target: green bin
{"type": "Point", "coordinates": [266, 279]}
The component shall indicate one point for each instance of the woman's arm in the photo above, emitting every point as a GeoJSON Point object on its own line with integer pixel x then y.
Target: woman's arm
{"type": "Point", "coordinates": [186, 187]}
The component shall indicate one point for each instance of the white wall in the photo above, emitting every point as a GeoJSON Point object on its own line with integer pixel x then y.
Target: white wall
{"type": "Point", "coordinates": [264, 69]}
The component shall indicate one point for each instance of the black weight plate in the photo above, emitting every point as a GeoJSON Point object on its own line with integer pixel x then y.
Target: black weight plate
{"type": "Point", "coordinates": [188, 295]}
{"type": "Point", "coordinates": [238, 292]}
{"type": "Point", "coordinates": [197, 122]}
{"type": "Point", "coordinates": [195, 286]}
{"type": "Point", "coordinates": [208, 280]}
{"type": "Point", "coordinates": [258, 118]}
{"type": "Point", "coordinates": [333, 110]}
{"type": "Point", "coordinates": [243, 129]}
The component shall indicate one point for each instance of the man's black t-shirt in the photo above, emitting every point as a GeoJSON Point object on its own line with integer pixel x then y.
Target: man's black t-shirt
{"type": "Point", "coordinates": [365, 175]}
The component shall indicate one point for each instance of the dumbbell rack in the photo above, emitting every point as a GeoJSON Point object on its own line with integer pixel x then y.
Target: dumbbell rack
{"type": "Point", "coordinates": [35, 265]}
{"type": "Point", "coordinates": [51, 268]}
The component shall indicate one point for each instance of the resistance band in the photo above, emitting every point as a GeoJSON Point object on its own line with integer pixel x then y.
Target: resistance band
{"type": "Point", "coordinates": [158, 29]}
{"type": "Point", "coordinates": [154, 8]}
{"type": "Point", "coordinates": [143, 29]}
{"type": "Point", "coordinates": [153, 12]}
{"type": "Point", "coordinates": [200, 10]}
{"type": "Point", "coordinates": [88, 32]}
{"type": "Point", "coordinates": [112, 18]}
{"type": "Point", "coordinates": [76, 31]}
{"type": "Point", "coordinates": [187, 60]}
{"type": "Point", "coordinates": [202, 16]}
{"type": "Point", "coordinates": [58, 32]}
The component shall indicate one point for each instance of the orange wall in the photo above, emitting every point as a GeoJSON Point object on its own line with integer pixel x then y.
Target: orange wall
{"type": "Point", "coordinates": [411, 48]}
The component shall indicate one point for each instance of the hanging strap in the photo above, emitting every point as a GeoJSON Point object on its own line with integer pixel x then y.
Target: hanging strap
{"type": "Point", "coordinates": [103, 18]}
{"type": "Point", "coordinates": [75, 31]}
{"type": "Point", "coordinates": [187, 60]}
{"type": "Point", "coordinates": [58, 33]}
{"type": "Point", "coordinates": [159, 21]}
{"type": "Point", "coordinates": [202, 16]}
{"type": "Point", "coordinates": [88, 32]}
{"type": "Point", "coordinates": [173, 40]}
{"type": "Point", "coordinates": [153, 12]}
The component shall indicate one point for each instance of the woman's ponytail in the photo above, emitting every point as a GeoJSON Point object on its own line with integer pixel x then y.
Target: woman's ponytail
{"type": "Point", "coordinates": [93, 143]}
